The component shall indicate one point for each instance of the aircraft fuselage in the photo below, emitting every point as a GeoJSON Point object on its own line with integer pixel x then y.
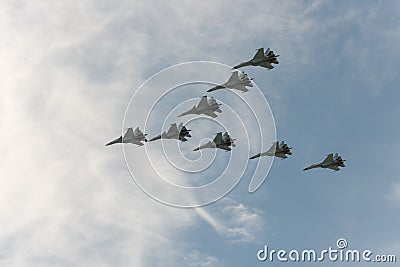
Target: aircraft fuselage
{"type": "Point", "coordinates": [259, 61]}
{"type": "Point", "coordinates": [212, 108]}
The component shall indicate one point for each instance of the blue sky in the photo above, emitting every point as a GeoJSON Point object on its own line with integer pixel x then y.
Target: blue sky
{"type": "Point", "coordinates": [70, 68]}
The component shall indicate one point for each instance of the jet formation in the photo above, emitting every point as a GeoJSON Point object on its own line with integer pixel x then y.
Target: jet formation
{"type": "Point", "coordinates": [205, 106]}
{"type": "Point", "coordinates": [276, 150]}
{"type": "Point", "coordinates": [209, 107]}
{"type": "Point", "coordinates": [331, 161]}
{"type": "Point", "coordinates": [220, 141]}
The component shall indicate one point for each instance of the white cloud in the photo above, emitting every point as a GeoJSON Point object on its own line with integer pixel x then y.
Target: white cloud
{"type": "Point", "coordinates": [234, 221]}
{"type": "Point", "coordinates": [199, 259]}
{"type": "Point", "coordinates": [68, 70]}
{"type": "Point", "coordinates": [396, 191]}
{"type": "Point", "coordinates": [66, 199]}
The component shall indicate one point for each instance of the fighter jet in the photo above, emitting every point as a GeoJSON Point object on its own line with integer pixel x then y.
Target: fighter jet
{"type": "Point", "coordinates": [220, 141]}
{"type": "Point", "coordinates": [331, 162]}
{"type": "Point", "coordinates": [276, 150]}
{"type": "Point", "coordinates": [135, 137]}
{"type": "Point", "coordinates": [206, 107]}
{"type": "Point", "coordinates": [179, 132]}
{"type": "Point", "coordinates": [235, 82]}
{"type": "Point", "coordinates": [261, 59]}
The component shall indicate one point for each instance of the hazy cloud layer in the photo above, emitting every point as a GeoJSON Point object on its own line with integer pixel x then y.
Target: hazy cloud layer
{"type": "Point", "coordinates": [68, 70]}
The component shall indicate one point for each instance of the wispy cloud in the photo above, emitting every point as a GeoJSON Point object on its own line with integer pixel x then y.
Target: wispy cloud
{"type": "Point", "coordinates": [396, 192]}
{"type": "Point", "coordinates": [68, 71]}
{"type": "Point", "coordinates": [199, 259]}
{"type": "Point", "coordinates": [234, 221]}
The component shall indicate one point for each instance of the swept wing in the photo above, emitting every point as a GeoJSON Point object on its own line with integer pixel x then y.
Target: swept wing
{"type": "Point", "coordinates": [218, 138]}
{"type": "Point", "coordinates": [328, 159]}
{"type": "Point", "coordinates": [203, 104]}
{"type": "Point", "coordinates": [210, 113]}
{"type": "Point", "coordinates": [128, 135]}
{"type": "Point", "coordinates": [259, 55]}
{"type": "Point", "coordinates": [334, 167]}
{"type": "Point", "coordinates": [173, 130]}
{"type": "Point", "coordinates": [266, 64]}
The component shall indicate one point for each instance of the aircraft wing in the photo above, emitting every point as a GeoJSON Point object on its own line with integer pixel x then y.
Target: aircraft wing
{"type": "Point", "coordinates": [328, 159]}
{"type": "Point", "coordinates": [128, 135]}
{"type": "Point", "coordinates": [241, 87]}
{"type": "Point", "coordinates": [137, 132]}
{"type": "Point", "coordinates": [281, 155]}
{"type": "Point", "coordinates": [259, 54]}
{"type": "Point", "coordinates": [218, 138]}
{"type": "Point", "coordinates": [173, 130]}
{"type": "Point", "coordinates": [226, 148]}
{"type": "Point", "coordinates": [334, 167]}
{"type": "Point", "coordinates": [273, 148]}
{"type": "Point", "coordinates": [234, 78]}
{"type": "Point", "coordinates": [210, 113]}
{"type": "Point", "coordinates": [137, 142]}
{"type": "Point", "coordinates": [203, 104]}
{"type": "Point", "coordinates": [266, 64]}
